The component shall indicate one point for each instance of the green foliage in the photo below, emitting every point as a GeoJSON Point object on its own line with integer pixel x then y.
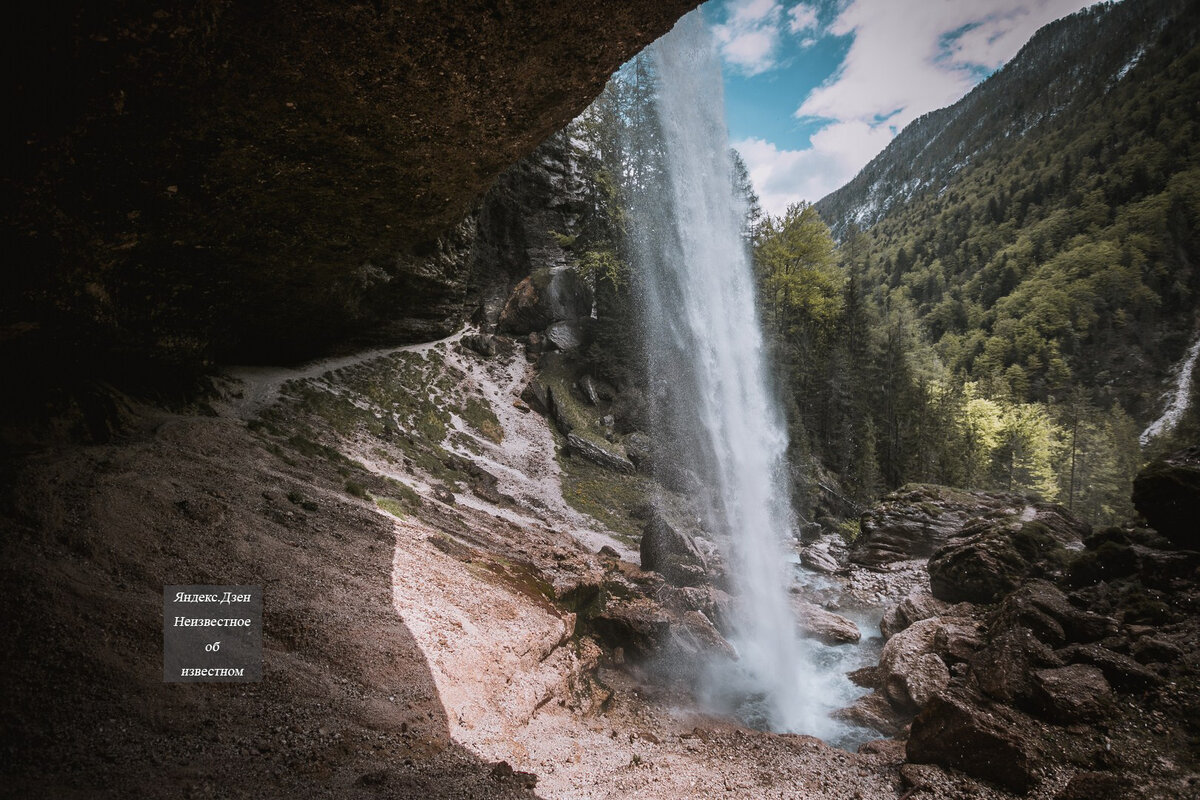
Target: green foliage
{"type": "Point", "coordinates": [391, 506]}
{"type": "Point", "coordinates": [603, 264]}
{"type": "Point", "coordinates": [1004, 328]}
{"type": "Point", "coordinates": [1065, 256]}
{"type": "Point", "coordinates": [799, 278]}
{"type": "Point", "coordinates": [1019, 315]}
{"type": "Point", "coordinates": [479, 415]}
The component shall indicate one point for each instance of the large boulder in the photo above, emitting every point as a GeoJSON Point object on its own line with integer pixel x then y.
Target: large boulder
{"type": "Point", "coordinates": [819, 559]}
{"type": "Point", "coordinates": [569, 335]}
{"type": "Point", "coordinates": [1003, 669]}
{"type": "Point", "coordinates": [992, 557]}
{"type": "Point", "coordinates": [605, 454]}
{"type": "Point", "coordinates": [1046, 611]}
{"type": "Point", "coordinates": [914, 521]}
{"type": "Point", "coordinates": [546, 298]}
{"type": "Point", "coordinates": [1074, 693]}
{"type": "Point", "coordinates": [1167, 493]}
{"type": "Point", "coordinates": [638, 626]}
{"type": "Point", "coordinates": [918, 605]}
{"type": "Point", "coordinates": [641, 627]}
{"type": "Point", "coordinates": [981, 739]}
{"type": "Point", "coordinates": [672, 553]}
{"type": "Point", "coordinates": [814, 622]}
{"type": "Point", "coordinates": [712, 602]}
{"type": "Point", "coordinates": [910, 670]}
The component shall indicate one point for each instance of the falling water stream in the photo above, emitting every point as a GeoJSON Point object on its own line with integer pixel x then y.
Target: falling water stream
{"type": "Point", "coordinates": [1178, 397]}
{"type": "Point", "coordinates": [714, 412]}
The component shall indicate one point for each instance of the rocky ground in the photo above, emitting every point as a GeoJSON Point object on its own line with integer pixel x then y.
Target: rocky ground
{"type": "Point", "coordinates": [422, 613]}
{"type": "Point", "coordinates": [1038, 653]}
{"type": "Point", "coordinates": [443, 619]}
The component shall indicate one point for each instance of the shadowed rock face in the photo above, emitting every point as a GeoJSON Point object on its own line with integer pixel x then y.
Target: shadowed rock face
{"type": "Point", "coordinates": [1167, 493]}
{"type": "Point", "coordinates": [261, 180]}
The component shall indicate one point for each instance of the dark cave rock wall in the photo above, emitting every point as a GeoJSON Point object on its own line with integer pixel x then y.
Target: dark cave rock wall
{"type": "Point", "coordinates": [534, 207]}
{"type": "Point", "coordinates": [262, 181]}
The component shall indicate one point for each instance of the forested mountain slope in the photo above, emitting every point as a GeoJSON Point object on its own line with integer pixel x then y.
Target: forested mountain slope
{"type": "Point", "coordinates": [1064, 67]}
{"type": "Point", "coordinates": [1055, 240]}
{"type": "Point", "coordinates": [1016, 275]}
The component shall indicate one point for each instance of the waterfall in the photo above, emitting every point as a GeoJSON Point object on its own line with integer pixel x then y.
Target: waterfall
{"type": "Point", "coordinates": [716, 421]}
{"type": "Point", "coordinates": [1178, 398]}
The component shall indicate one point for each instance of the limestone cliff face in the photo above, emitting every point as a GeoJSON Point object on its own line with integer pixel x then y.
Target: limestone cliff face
{"type": "Point", "coordinates": [200, 180]}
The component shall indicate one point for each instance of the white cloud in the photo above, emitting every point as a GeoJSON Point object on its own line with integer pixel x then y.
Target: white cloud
{"type": "Point", "coordinates": [749, 37]}
{"type": "Point", "coordinates": [802, 17]}
{"type": "Point", "coordinates": [907, 57]}
{"type": "Point", "coordinates": [782, 177]}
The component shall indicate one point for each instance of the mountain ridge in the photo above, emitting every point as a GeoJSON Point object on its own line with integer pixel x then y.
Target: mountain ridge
{"type": "Point", "coordinates": [893, 175]}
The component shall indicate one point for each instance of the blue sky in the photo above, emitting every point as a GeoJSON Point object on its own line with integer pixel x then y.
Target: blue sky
{"type": "Point", "coordinates": [816, 88]}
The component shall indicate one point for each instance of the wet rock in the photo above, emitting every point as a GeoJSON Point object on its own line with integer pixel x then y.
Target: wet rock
{"type": "Point", "coordinates": [815, 622]}
{"type": "Point", "coordinates": [638, 626]}
{"type": "Point", "coordinates": [671, 553]}
{"type": "Point", "coordinates": [1046, 611]}
{"type": "Point", "coordinates": [1167, 493]}
{"type": "Point", "coordinates": [910, 671]}
{"type": "Point", "coordinates": [589, 389]}
{"type": "Point", "coordinates": [537, 396]}
{"type": "Point", "coordinates": [982, 740]}
{"type": "Point", "coordinates": [917, 519]}
{"type": "Point", "coordinates": [1121, 671]}
{"type": "Point", "coordinates": [606, 455]}
{"type": "Point", "coordinates": [991, 558]}
{"type": "Point", "coordinates": [1096, 786]}
{"type": "Point", "coordinates": [1075, 693]}
{"type": "Point", "coordinates": [568, 335]}
{"type": "Point", "coordinates": [637, 446]}
{"type": "Point", "coordinates": [521, 312]}
{"type": "Point", "coordinates": [641, 628]}
{"type": "Point", "coordinates": [819, 560]}
{"type": "Point", "coordinates": [482, 344]}
{"type": "Point", "coordinates": [958, 641]}
{"type": "Point", "coordinates": [918, 605]}
{"type": "Point", "coordinates": [695, 635]}
{"type": "Point", "coordinates": [713, 603]}
{"type": "Point", "coordinates": [545, 298]}
{"type": "Point", "coordinates": [1152, 650]}
{"type": "Point", "coordinates": [1003, 669]}
{"type": "Point", "coordinates": [873, 711]}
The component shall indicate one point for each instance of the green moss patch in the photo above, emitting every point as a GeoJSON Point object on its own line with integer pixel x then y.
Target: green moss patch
{"type": "Point", "coordinates": [608, 496]}
{"type": "Point", "coordinates": [392, 506]}
{"type": "Point", "coordinates": [479, 415]}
